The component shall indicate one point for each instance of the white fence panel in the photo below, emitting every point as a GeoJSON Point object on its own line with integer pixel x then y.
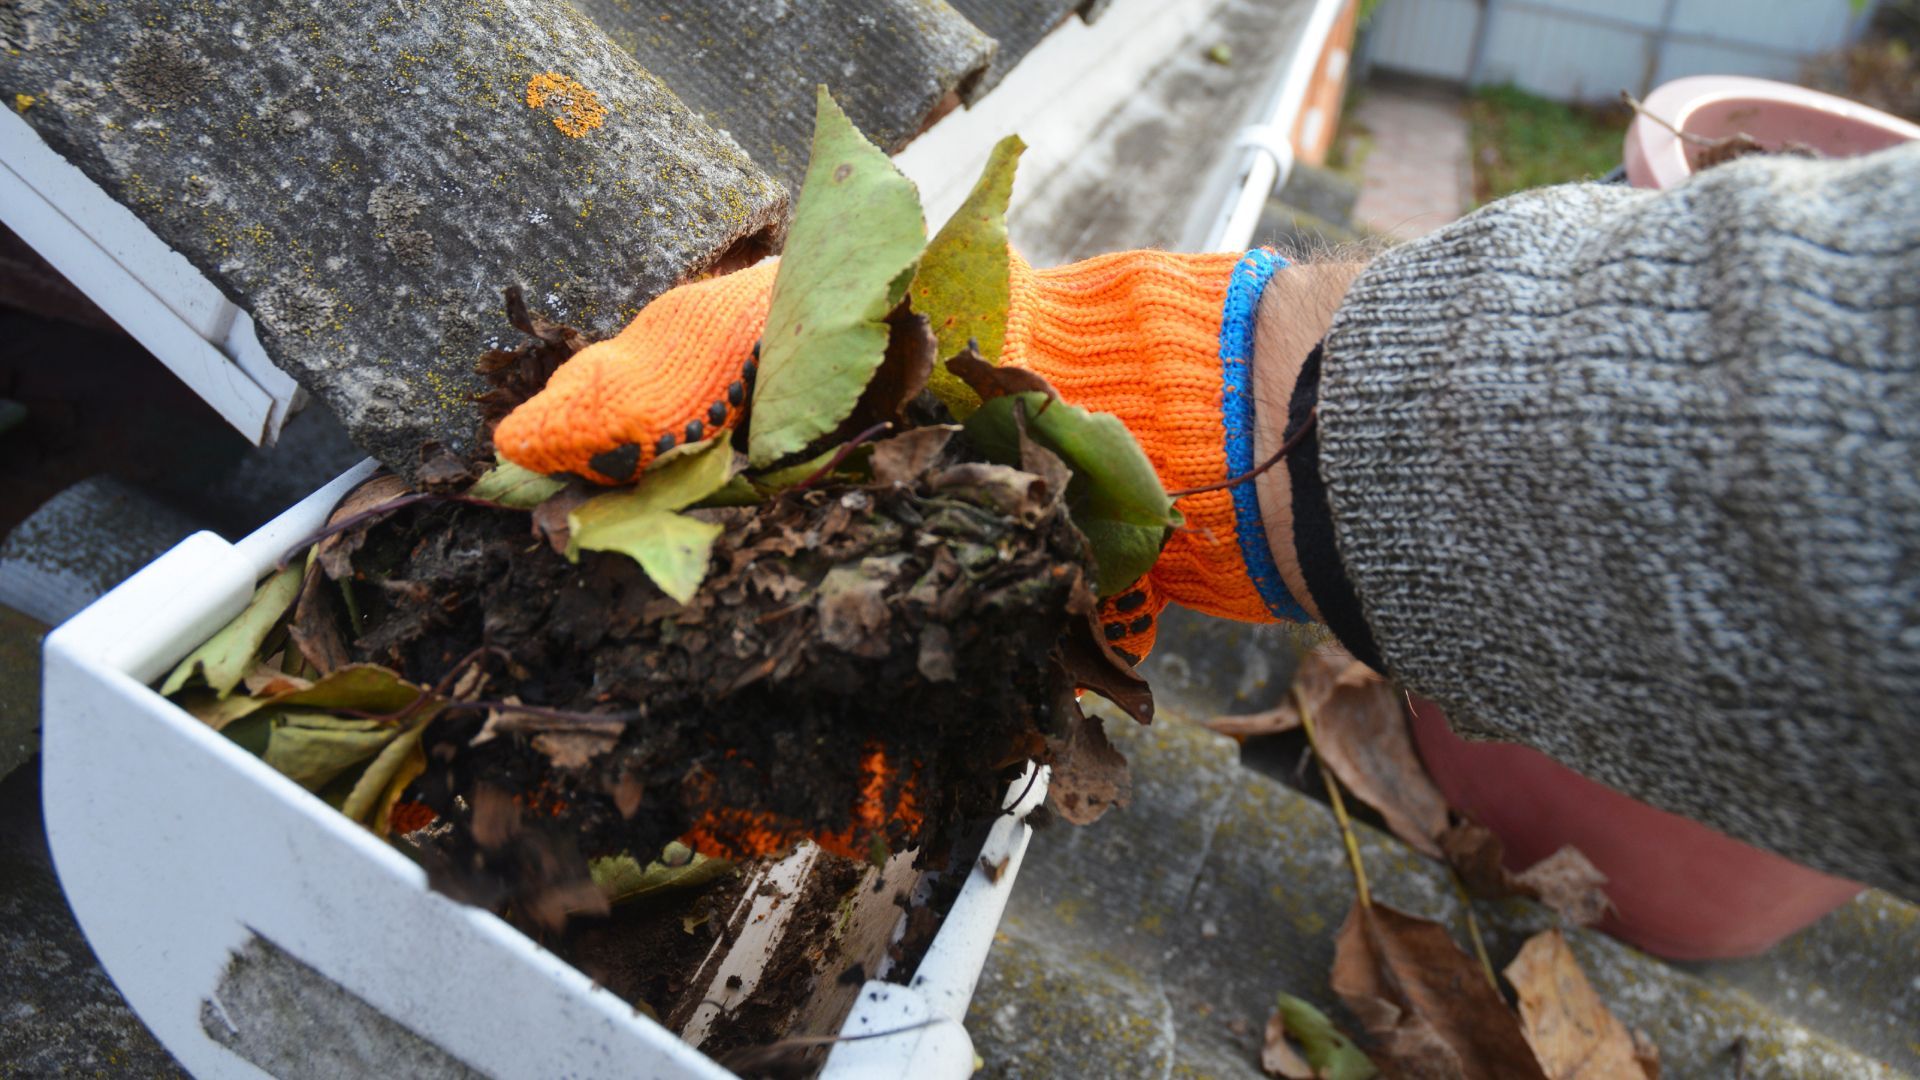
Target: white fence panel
{"type": "Point", "coordinates": [1684, 58]}
{"type": "Point", "coordinates": [1569, 59]}
{"type": "Point", "coordinates": [1790, 26]}
{"type": "Point", "coordinates": [1428, 37]}
{"type": "Point", "coordinates": [1590, 50]}
{"type": "Point", "coordinates": [1641, 12]}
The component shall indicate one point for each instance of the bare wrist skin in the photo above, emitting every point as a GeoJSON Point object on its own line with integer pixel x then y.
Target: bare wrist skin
{"type": "Point", "coordinates": [1296, 309]}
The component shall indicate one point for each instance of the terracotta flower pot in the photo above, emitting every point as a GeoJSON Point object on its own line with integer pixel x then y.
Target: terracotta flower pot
{"type": "Point", "coordinates": [1679, 889]}
{"type": "Point", "coordinates": [1775, 114]}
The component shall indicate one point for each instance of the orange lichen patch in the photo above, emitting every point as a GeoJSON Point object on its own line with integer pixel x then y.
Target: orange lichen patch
{"type": "Point", "coordinates": [577, 110]}
{"type": "Point", "coordinates": [725, 832]}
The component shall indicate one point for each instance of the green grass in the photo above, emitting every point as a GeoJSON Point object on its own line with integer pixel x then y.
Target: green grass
{"type": "Point", "coordinates": [1521, 141]}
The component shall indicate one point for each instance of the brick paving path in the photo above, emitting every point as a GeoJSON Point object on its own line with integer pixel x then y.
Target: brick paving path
{"type": "Point", "coordinates": [1417, 175]}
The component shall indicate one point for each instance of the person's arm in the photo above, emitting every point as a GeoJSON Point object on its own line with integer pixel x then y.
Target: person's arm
{"type": "Point", "coordinates": [1634, 478]}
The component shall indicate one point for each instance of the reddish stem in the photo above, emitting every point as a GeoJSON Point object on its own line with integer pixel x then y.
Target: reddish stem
{"type": "Point", "coordinates": [840, 455]}
{"type": "Point", "coordinates": [1293, 440]}
{"type": "Point", "coordinates": [374, 513]}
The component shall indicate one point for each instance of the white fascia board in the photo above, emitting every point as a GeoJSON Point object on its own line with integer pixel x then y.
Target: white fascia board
{"type": "Point", "coordinates": [147, 287]}
{"type": "Point", "coordinates": [1057, 97]}
{"type": "Point", "coordinates": [1269, 145]}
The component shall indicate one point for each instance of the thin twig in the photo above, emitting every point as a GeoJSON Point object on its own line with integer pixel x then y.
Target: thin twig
{"type": "Point", "coordinates": [375, 513]}
{"type": "Point", "coordinates": [438, 690]}
{"type": "Point", "coordinates": [841, 455]}
{"type": "Point", "coordinates": [1032, 779]}
{"type": "Point", "coordinates": [1339, 805]}
{"type": "Point", "coordinates": [1473, 928]}
{"type": "Point", "coordinates": [1292, 441]}
{"type": "Point", "coordinates": [460, 666]}
{"type": "Point", "coordinates": [597, 721]}
{"type": "Point", "coordinates": [1693, 137]}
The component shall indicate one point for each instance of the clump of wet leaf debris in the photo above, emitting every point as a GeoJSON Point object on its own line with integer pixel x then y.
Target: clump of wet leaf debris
{"type": "Point", "coordinates": [854, 619]}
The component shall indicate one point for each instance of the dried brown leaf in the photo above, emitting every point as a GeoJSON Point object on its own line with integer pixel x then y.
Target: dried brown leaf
{"type": "Point", "coordinates": [267, 681]}
{"type": "Point", "coordinates": [1319, 670]}
{"type": "Point", "coordinates": [1277, 1055]}
{"type": "Point", "coordinates": [1566, 1023]}
{"type": "Point", "coordinates": [1566, 881]}
{"type": "Point", "coordinates": [903, 372]}
{"type": "Point", "coordinates": [515, 375]}
{"type": "Point", "coordinates": [1283, 717]}
{"type": "Point", "coordinates": [1647, 1053]}
{"type": "Point", "coordinates": [316, 629]}
{"type": "Point", "coordinates": [1361, 734]}
{"type": "Point", "coordinates": [906, 457]}
{"type": "Point", "coordinates": [1091, 665]}
{"type": "Point", "coordinates": [1427, 1004]}
{"type": "Point", "coordinates": [574, 749]}
{"type": "Point", "coordinates": [443, 471]}
{"type": "Point", "coordinates": [1010, 491]}
{"type": "Point", "coordinates": [990, 380]}
{"type": "Point", "coordinates": [335, 553]}
{"type": "Point", "coordinates": [1090, 777]}
{"type": "Point", "coordinates": [1475, 854]}
{"type": "Point", "coordinates": [1314, 679]}
{"type": "Point", "coordinates": [1569, 883]}
{"type": "Point", "coordinates": [550, 517]}
{"type": "Point", "coordinates": [1040, 461]}
{"type": "Point", "coordinates": [853, 612]}
{"type": "Point", "coordinates": [519, 721]}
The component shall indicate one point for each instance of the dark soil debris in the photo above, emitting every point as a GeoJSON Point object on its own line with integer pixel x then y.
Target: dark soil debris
{"type": "Point", "coordinates": [865, 665]}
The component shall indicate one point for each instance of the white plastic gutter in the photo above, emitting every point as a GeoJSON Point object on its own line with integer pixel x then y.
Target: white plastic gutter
{"type": "Point", "coordinates": [1268, 145]}
{"type": "Point", "coordinates": [147, 287]}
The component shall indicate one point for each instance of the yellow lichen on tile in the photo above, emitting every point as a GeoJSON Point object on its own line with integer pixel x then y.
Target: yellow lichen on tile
{"type": "Point", "coordinates": [579, 109]}
{"type": "Point", "coordinates": [23, 102]}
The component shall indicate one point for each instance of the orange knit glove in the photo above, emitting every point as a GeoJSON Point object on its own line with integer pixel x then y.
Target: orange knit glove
{"type": "Point", "coordinates": [1162, 341]}
{"type": "Point", "coordinates": [680, 371]}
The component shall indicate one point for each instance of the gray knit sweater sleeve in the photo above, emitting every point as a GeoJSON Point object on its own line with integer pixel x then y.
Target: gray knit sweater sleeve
{"type": "Point", "coordinates": [1634, 478]}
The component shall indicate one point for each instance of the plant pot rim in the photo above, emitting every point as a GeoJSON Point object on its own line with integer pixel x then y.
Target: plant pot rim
{"type": "Point", "coordinates": [1657, 158]}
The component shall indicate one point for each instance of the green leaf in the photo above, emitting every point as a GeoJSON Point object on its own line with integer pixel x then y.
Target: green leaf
{"type": "Point", "coordinates": [738, 491]}
{"type": "Point", "coordinates": [962, 284]}
{"type": "Point", "coordinates": [1332, 1055]}
{"type": "Point", "coordinates": [311, 750]}
{"type": "Point", "coordinates": [1115, 497]}
{"type": "Point", "coordinates": [511, 485]}
{"type": "Point", "coordinates": [362, 687]}
{"type": "Point", "coordinates": [215, 711]}
{"type": "Point", "coordinates": [857, 233]}
{"type": "Point", "coordinates": [672, 548]}
{"type": "Point", "coordinates": [366, 688]}
{"type": "Point", "coordinates": [228, 655]}
{"type": "Point", "coordinates": [622, 878]}
{"type": "Point", "coordinates": [368, 797]}
{"type": "Point", "coordinates": [676, 479]}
